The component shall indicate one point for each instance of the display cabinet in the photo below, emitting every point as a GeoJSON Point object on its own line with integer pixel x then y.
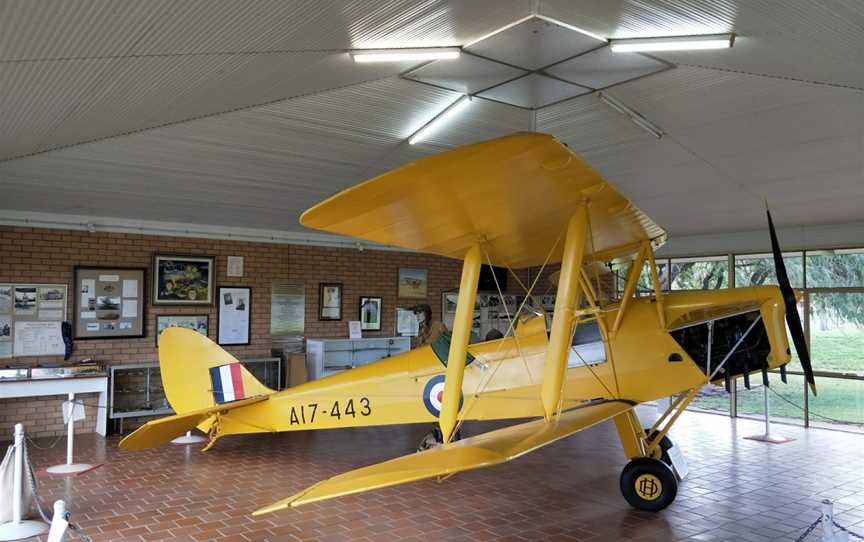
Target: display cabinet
{"type": "Point", "coordinates": [268, 371]}
{"type": "Point", "coordinates": [136, 390]}
{"type": "Point", "coordinates": [329, 356]}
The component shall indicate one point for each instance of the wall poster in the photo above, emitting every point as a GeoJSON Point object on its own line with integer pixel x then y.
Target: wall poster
{"type": "Point", "coordinates": [109, 302]}
{"type": "Point", "coordinates": [30, 318]}
{"type": "Point", "coordinates": [195, 322]}
{"type": "Point", "coordinates": [182, 280]}
{"type": "Point", "coordinates": [287, 310]}
{"type": "Point", "coordinates": [235, 324]}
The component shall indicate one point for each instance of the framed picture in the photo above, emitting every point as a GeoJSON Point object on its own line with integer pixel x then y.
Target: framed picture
{"type": "Point", "coordinates": [413, 283]}
{"type": "Point", "coordinates": [109, 302]}
{"type": "Point", "coordinates": [448, 302]}
{"type": "Point", "coordinates": [182, 280]}
{"type": "Point", "coordinates": [235, 309]}
{"type": "Point", "coordinates": [330, 301]}
{"type": "Point", "coordinates": [370, 313]}
{"type": "Point", "coordinates": [195, 322]}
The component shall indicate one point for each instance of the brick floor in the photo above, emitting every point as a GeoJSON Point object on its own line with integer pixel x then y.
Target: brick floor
{"type": "Point", "coordinates": [738, 489]}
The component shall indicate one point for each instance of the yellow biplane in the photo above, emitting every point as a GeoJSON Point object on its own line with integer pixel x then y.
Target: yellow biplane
{"type": "Point", "coordinates": [541, 206]}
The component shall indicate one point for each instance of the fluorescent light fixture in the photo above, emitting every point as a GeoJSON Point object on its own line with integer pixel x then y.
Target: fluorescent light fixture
{"type": "Point", "coordinates": [634, 116]}
{"type": "Point", "coordinates": [403, 55]}
{"type": "Point", "coordinates": [436, 123]}
{"type": "Point", "coordinates": [673, 43]}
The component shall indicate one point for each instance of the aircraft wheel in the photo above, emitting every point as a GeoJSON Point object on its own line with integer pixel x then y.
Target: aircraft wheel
{"type": "Point", "coordinates": [434, 438]}
{"type": "Point", "coordinates": [661, 451]}
{"type": "Point", "coordinates": [648, 484]}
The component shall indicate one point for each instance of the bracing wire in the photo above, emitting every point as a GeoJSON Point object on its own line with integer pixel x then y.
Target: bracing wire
{"type": "Point", "coordinates": [481, 386]}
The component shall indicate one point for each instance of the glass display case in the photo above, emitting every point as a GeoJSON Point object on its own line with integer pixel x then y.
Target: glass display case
{"type": "Point", "coordinates": [42, 372]}
{"type": "Point", "coordinates": [268, 371]}
{"type": "Point", "coordinates": [136, 390]}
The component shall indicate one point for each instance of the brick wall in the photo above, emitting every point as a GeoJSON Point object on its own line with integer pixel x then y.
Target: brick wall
{"type": "Point", "coordinates": [30, 255]}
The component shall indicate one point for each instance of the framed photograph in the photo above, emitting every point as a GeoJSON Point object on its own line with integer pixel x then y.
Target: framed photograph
{"type": "Point", "coordinates": [448, 302]}
{"type": "Point", "coordinates": [330, 301]}
{"type": "Point", "coordinates": [109, 302]}
{"type": "Point", "coordinates": [195, 322]}
{"type": "Point", "coordinates": [413, 283]}
{"type": "Point", "coordinates": [370, 313]}
{"type": "Point", "coordinates": [182, 280]}
{"type": "Point", "coordinates": [235, 309]}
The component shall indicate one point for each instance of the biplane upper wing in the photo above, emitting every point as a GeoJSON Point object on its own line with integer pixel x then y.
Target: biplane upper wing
{"type": "Point", "coordinates": [515, 194]}
{"type": "Point", "coordinates": [483, 450]}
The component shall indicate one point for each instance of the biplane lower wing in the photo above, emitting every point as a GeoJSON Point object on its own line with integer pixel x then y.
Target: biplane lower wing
{"type": "Point", "coordinates": [485, 450]}
{"type": "Point", "coordinates": [163, 430]}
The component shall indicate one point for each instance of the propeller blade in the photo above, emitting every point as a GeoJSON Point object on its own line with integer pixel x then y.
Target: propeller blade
{"type": "Point", "coordinates": [793, 320]}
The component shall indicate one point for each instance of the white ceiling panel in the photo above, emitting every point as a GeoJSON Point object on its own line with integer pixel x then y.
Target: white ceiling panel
{"type": "Point", "coordinates": [46, 29]}
{"type": "Point", "coordinates": [820, 41]}
{"type": "Point", "coordinates": [731, 141]}
{"type": "Point", "coordinates": [534, 43]}
{"type": "Point", "coordinates": [81, 70]}
{"type": "Point", "coordinates": [258, 167]}
{"type": "Point", "coordinates": [73, 102]}
{"type": "Point", "coordinates": [602, 68]}
{"type": "Point", "coordinates": [51, 29]}
{"type": "Point", "coordinates": [186, 111]}
{"type": "Point", "coordinates": [467, 74]}
{"type": "Point", "coordinates": [534, 91]}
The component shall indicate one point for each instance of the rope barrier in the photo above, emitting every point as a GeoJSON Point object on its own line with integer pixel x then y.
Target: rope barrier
{"type": "Point", "coordinates": [809, 410]}
{"type": "Point", "coordinates": [31, 480]}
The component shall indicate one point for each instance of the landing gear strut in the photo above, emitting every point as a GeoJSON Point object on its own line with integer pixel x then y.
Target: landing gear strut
{"type": "Point", "coordinates": [434, 438]}
{"type": "Point", "coordinates": [650, 480]}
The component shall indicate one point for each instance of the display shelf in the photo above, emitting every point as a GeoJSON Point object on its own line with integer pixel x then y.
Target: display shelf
{"type": "Point", "coordinates": [325, 357]}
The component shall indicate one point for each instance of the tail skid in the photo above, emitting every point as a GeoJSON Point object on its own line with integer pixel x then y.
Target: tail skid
{"type": "Point", "coordinates": [164, 430]}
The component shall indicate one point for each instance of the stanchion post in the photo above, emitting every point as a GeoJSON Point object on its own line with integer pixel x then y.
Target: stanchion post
{"type": "Point", "coordinates": [59, 523]}
{"type": "Point", "coordinates": [18, 474]}
{"type": "Point", "coordinates": [767, 436]}
{"type": "Point", "coordinates": [70, 429]}
{"type": "Point", "coordinates": [19, 528]}
{"type": "Point", "coordinates": [69, 467]}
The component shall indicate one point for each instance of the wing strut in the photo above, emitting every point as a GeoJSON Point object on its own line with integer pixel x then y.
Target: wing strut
{"type": "Point", "coordinates": [566, 303]}
{"type": "Point", "coordinates": [462, 322]}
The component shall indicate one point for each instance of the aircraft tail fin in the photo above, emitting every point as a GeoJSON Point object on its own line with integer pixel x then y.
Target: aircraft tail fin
{"type": "Point", "coordinates": [198, 374]}
{"type": "Point", "coordinates": [200, 380]}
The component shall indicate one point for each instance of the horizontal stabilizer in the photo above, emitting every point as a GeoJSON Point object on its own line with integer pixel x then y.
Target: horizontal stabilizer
{"type": "Point", "coordinates": [484, 450]}
{"type": "Point", "coordinates": [164, 430]}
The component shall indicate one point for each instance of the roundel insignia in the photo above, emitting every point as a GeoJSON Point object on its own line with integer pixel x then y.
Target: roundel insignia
{"type": "Point", "coordinates": [433, 395]}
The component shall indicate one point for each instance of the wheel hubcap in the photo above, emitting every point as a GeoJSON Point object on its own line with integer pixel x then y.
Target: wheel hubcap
{"type": "Point", "coordinates": [648, 487]}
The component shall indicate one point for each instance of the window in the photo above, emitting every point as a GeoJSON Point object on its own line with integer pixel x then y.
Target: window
{"type": "Point", "coordinates": [758, 269]}
{"type": "Point", "coordinates": [645, 286]}
{"type": "Point", "coordinates": [835, 268]}
{"type": "Point", "coordinates": [837, 332]}
{"type": "Point", "coordinates": [707, 273]}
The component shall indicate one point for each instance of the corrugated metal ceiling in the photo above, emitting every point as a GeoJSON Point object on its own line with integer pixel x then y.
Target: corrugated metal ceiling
{"type": "Point", "coordinates": [243, 113]}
